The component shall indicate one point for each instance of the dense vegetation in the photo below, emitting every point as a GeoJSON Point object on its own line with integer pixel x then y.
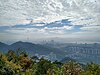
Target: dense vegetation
{"type": "Point", "coordinates": [19, 63]}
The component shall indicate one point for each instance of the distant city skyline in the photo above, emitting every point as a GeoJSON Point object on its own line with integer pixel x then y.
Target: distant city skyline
{"type": "Point", "coordinates": [59, 20]}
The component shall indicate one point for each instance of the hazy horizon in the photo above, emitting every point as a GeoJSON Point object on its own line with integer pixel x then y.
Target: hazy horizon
{"type": "Point", "coordinates": [48, 41]}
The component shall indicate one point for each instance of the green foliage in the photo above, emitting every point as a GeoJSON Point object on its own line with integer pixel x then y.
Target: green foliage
{"type": "Point", "coordinates": [43, 66]}
{"type": "Point", "coordinates": [92, 69]}
{"type": "Point", "coordinates": [19, 63]}
{"type": "Point", "coordinates": [5, 70]}
{"type": "Point", "coordinates": [71, 68]}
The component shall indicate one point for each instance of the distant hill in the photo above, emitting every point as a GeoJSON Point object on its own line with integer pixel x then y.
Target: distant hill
{"type": "Point", "coordinates": [31, 48]}
{"type": "Point", "coordinates": [67, 59]}
{"type": "Point", "coordinates": [83, 53]}
{"type": "Point", "coordinates": [3, 47]}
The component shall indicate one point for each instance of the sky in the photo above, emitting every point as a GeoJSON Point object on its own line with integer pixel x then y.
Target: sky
{"type": "Point", "coordinates": [61, 20]}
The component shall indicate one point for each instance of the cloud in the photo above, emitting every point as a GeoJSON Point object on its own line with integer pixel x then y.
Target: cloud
{"type": "Point", "coordinates": [91, 28]}
{"type": "Point", "coordinates": [73, 18]}
{"type": "Point", "coordinates": [17, 12]}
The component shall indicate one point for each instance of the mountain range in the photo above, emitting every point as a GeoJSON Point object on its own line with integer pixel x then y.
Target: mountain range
{"type": "Point", "coordinates": [31, 48]}
{"type": "Point", "coordinates": [83, 53]}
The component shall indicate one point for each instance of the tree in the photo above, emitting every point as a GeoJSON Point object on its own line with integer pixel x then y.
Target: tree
{"type": "Point", "coordinates": [4, 69]}
{"type": "Point", "coordinates": [71, 68]}
{"type": "Point", "coordinates": [11, 56]}
{"type": "Point", "coordinates": [92, 69]}
{"type": "Point", "coordinates": [25, 62]}
{"type": "Point", "coordinates": [43, 66]}
{"type": "Point", "coordinates": [35, 59]}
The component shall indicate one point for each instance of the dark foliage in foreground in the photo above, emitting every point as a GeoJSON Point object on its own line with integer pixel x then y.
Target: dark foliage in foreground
{"type": "Point", "coordinates": [19, 63]}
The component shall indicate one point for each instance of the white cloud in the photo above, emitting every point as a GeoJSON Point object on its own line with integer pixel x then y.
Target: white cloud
{"type": "Point", "coordinates": [15, 11]}
{"type": "Point", "coordinates": [79, 12]}
{"type": "Point", "coordinates": [59, 28]}
{"type": "Point", "coordinates": [91, 28]}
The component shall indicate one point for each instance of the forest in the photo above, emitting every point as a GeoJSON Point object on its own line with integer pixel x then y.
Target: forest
{"type": "Point", "coordinates": [20, 63]}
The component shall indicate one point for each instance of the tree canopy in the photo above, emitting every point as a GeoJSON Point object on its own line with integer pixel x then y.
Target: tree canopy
{"type": "Point", "coordinates": [19, 63]}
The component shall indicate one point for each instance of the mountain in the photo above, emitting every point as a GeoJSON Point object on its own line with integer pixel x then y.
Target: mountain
{"type": "Point", "coordinates": [57, 51]}
{"type": "Point", "coordinates": [2, 44]}
{"type": "Point", "coordinates": [31, 48]}
{"type": "Point", "coordinates": [67, 59]}
{"type": "Point", "coordinates": [3, 47]}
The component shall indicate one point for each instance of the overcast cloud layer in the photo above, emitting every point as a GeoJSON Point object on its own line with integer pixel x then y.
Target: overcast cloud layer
{"type": "Point", "coordinates": [41, 19]}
